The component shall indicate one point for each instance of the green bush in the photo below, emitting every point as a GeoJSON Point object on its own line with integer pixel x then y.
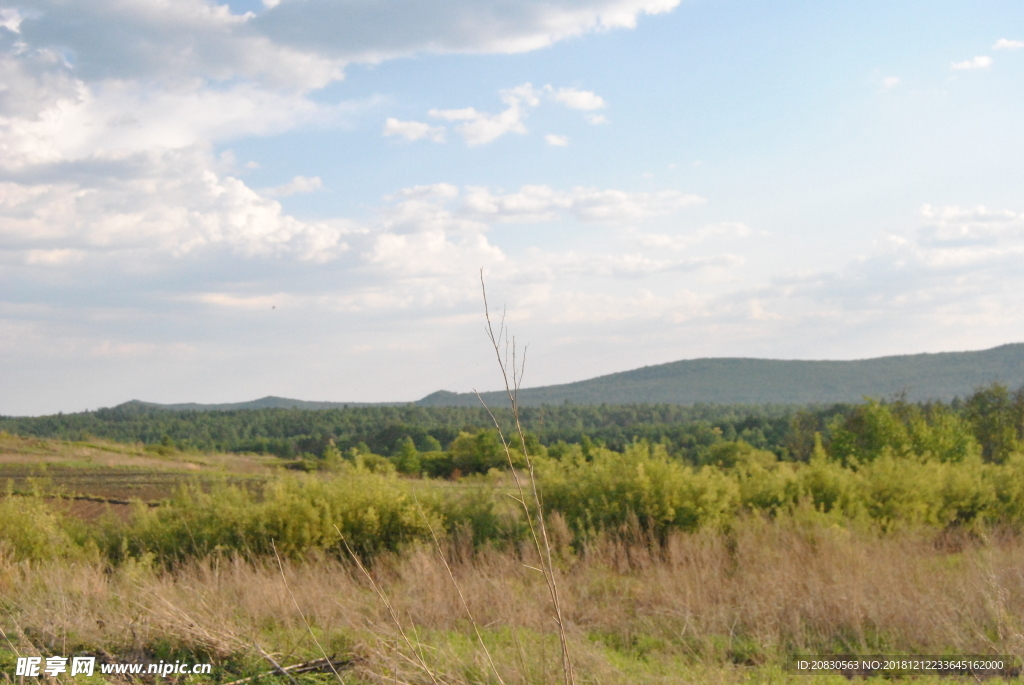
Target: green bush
{"type": "Point", "coordinates": [294, 514]}
{"type": "Point", "coordinates": [30, 529]}
{"type": "Point", "coordinates": [606, 491]}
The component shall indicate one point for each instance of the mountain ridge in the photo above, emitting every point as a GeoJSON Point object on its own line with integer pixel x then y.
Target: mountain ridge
{"type": "Point", "coordinates": [731, 380]}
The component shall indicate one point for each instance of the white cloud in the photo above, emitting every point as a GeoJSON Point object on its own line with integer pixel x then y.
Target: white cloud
{"type": "Point", "coordinates": [370, 31]}
{"type": "Point", "coordinates": [890, 81]}
{"type": "Point", "coordinates": [616, 206]}
{"type": "Point", "coordinates": [233, 301]}
{"type": "Point", "coordinates": [478, 128]}
{"type": "Point", "coordinates": [590, 205]}
{"type": "Point", "coordinates": [979, 62]}
{"type": "Point", "coordinates": [596, 119]}
{"type": "Point", "coordinates": [958, 270]}
{"type": "Point", "coordinates": [578, 99]}
{"type": "Point", "coordinates": [968, 229]}
{"type": "Point", "coordinates": [413, 130]}
{"type": "Point", "coordinates": [117, 166]}
{"type": "Point", "coordinates": [635, 265]}
{"type": "Point", "coordinates": [1006, 44]}
{"type": "Point", "coordinates": [55, 118]}
{"type": "Point", "coordinates": [10, 19]}
{"type": "Point", "coordinates": [556, 140]}
{"type": "Point", "coordinates": [110, 110]}
{"type": "Point", "coordinates": [172, 42]}
{"type": "Point", "coordinates": [299, 184]}
{"type": "Point", "coordinates": [161, 203]}
{"type": "Point", "coordinates": [53, 257]}
{"type": "Point", "coordinates": [685, 241]}
{"type": "Point", "coordinates": [300, 45]}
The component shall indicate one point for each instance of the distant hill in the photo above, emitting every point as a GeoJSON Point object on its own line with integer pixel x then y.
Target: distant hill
{"type": "Point", "coordinates": [940, 376]}
{"type": "Point", "coordinates": [269, 402]}
{"type": "Point", "coordinates": [726, 380]}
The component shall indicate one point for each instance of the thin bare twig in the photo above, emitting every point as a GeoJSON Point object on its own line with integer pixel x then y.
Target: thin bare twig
{"type": "Point", "coordinates": [462, 597]}
{"type": "Point", "coordinates": [391, 610]}
{"type": "Point", "coordinates": [303, 616]}
{"type": "Point", "coordinates": [541, 542]}
{"type": "Point", "coordinates": [277, 667]}
{"type": "Point", "coordinates": [304, 667]}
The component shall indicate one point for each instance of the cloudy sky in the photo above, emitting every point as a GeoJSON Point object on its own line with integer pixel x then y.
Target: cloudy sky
{"type": "Point", "coordinates": [216, 202]}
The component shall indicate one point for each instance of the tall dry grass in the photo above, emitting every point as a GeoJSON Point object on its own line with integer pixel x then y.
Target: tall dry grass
{"type": "Point", "coordinates": [632, 610]}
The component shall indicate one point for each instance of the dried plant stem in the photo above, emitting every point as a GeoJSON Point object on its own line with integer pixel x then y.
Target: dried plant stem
{"type": "Point", "coordinates": [421, 662]}
{"type": "Point", "coordinates": [273, 662]}
{"type": "Point", "coordinates": [303, 616]}
{"type": "Point", "coordinates": [304, 667]}
{"type": "Point", "coordinates": [465, 604]}
{"type": "Point", "coordinates": [542, 542]}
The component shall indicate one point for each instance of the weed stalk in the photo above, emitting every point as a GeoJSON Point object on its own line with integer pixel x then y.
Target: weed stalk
{"type": "Point", "coordinates": [536, 523]}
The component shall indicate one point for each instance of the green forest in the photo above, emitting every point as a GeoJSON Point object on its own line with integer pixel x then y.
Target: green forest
{"type": "Point", "coordinates": [991, 420]}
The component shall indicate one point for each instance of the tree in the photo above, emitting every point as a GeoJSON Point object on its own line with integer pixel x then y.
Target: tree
{"type": "Point", "coordinates": [997, 418]}
{"type": "Point", "coordinates": [406, 458]}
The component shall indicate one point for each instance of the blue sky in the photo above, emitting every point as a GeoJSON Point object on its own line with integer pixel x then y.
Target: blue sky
{"type": "Point", "coordinates": [203, 202]}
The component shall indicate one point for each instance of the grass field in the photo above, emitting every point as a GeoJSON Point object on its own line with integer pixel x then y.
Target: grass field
{"type": "Point", "coordinates": [731, 604]}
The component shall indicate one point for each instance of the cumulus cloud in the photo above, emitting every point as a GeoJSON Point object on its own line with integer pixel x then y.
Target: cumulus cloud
{"type": "Point", "coordinates": [368, 30]}
{"type": "Point", "coordinates": [171, 42]}
{"type": "Point", "coordinates": [10, 19]}
{"type": "Point", "coordinates": [413, 130]}
{"type": "Point", "coordinates": [890, 81]}
{"type": "Point", "coordinates": [234, 301]}
{"type": "Point", "coordinates": [556, 140]}
{"type": "Point", "coordinates": [957, 270]}
{"type": "Point", "coordinates": [578, 99]}
{"type": "Point", "coordinates": [684, 241]}
{"type": "Point", "coordinates": [110, 110]}
{"type": "Point", "coordinates": [979, 62]}
{"type": "Point", "coordinates": [537, 203]}
{"type": "Point", "coordinates": [75, 120]}
{"type": "Point", "coordinates": [169, 203]}
{"type": "Point", "coordinates": [636, 265]}
{"type": "Point", "coordinates": [299, 184]}
{"type": "Point", "coordinates": [479, 127]}
{"type": "Point", "coordinates": [298, 45]}
{"type": "Point", "coordinates": [1006, 44]}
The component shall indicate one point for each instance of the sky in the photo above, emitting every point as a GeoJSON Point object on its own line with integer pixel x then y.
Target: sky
{"type": "Point", "coordinates": [205, 202]}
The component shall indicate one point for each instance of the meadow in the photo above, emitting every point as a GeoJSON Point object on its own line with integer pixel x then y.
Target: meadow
{"type": "Point", "coordinates": [898, 532]}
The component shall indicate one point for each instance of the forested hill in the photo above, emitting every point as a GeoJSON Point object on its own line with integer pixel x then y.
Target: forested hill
{"type": "Point", "coordinates": [269, 402]}
{"type": "Point", "coordinates": [940, 376]}
{"type": "Point", "coordinates": [732, 381]}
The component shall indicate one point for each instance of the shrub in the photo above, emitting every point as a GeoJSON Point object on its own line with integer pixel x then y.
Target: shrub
{"type": "Point", "coordinates": [296, 514]}
{"type": "Point", "coordinates": [642, 482]}
{"type": "Point", "coordinates": [31, 530]}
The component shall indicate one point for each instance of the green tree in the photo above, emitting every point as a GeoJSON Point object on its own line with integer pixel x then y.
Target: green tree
{"type": "Point", "coordinates": [997, 418]}
{"type": "Point", "coordinates": [407, 458]}
{"type": "Point", "coordinates": [868, 430]}
{"type": "Point", "coordinates": [430, 444]}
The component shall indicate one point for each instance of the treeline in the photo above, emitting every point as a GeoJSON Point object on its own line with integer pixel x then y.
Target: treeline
{"type": "Point", "coordinates": [439, 440]}
{"type": "Point", "coordinates": [686, 431]}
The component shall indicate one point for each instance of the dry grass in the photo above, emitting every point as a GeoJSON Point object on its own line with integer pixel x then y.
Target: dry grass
{"type": "Point", "coordinates": [704, 602]}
